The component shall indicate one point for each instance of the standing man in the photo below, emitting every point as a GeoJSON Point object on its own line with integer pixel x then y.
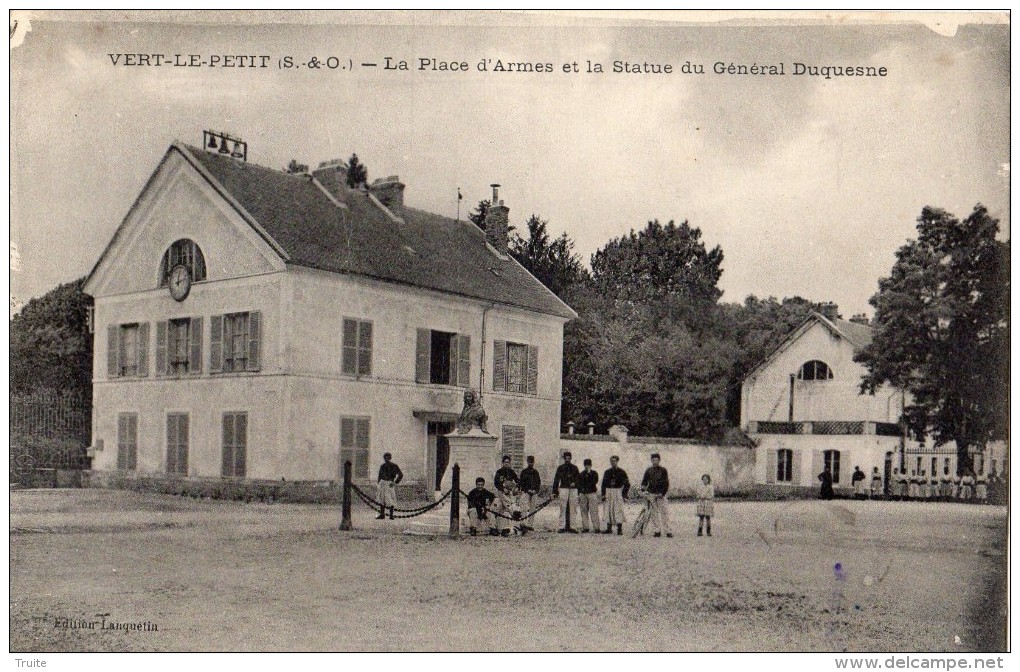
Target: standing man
{"type": "Point", "coordinates": [506, 483]}
{"type": "Point", "coordinates": [857, 481]}
{"type": "Point", "coordinates": [656, 483]}
{"type": "Point", "coordinates": [389, 476]}
{"type": "Point", "coordinates": [587, 493]}
{"type": "Point", "coordinates": [615, 485]}
{"type": "Point", "coordinates": [531, 483]}
{"type": "Point", "coordinates": [566, 478]}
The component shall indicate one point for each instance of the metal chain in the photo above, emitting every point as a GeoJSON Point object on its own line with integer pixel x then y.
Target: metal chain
{"type": "Point", "coordinates": [405, 513]}
{"type": "Point", "coordinates": [523, 516]}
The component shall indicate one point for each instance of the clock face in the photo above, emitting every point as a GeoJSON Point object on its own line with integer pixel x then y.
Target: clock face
{"type": "Point", "coordinates": [180, 282]}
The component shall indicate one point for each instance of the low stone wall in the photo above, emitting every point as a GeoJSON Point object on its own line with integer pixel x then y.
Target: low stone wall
{"type": "Point", "coordinates": [731, 467]}
{"type": "Point", "coordinates": [312, 492]}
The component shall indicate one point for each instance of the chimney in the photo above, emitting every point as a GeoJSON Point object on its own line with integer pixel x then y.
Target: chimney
{"type": "Point", "coordinates": [389, 190]}
{"type": "Point", "coordinates": [860, 318]}
{"type": "Point", "coordinates": [497, 223]}
{"type": "Point", "coordinates": [333, 176]}
{"type": "Point", "coordinates": [829, 311]}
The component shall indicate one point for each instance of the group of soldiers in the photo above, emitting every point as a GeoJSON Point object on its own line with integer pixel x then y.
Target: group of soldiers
{"type": "Point", "coordinates": [578, 492]}
{"type": "Point", "coordinates": [919, 486]}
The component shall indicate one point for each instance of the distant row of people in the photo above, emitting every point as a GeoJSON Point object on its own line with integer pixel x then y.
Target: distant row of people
{"type": "Point", "coordinates": [916, 485]}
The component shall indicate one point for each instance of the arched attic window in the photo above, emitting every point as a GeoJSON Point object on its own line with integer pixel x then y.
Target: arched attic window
{"type": "Point", "coordinates": [184, 252]}
{"type": "Point", "coordinates": [814, 370]}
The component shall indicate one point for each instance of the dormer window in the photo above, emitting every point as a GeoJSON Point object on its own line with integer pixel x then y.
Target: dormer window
{"type": "Point", "coordinates": [814, 370]}
{"type": "Point", "coordinates": [185, 253]}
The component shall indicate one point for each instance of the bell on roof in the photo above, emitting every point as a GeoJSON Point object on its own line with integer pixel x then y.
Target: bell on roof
{"type": "Point", "coordinates": [212, 141]}
{"type": "Point", "coordinates": [237, 154]}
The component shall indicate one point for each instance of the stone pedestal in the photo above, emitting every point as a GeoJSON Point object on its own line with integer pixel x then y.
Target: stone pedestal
{"type": "Point", "coordinates": [477, 453]}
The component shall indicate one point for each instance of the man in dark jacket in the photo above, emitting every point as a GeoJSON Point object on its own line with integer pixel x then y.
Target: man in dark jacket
{"type": "Point", "coordinates": [588, 498]}
{"type": "Point", "coordinates": [566, 479]}
{"type": "Point", "coordinates": [389, 476]}
{"type": "Point", "coordinates": [656, 484]}
{"type": "Point", "coordinates": [507, 485]}
{"type": "Point", "coordinates": [616, 482]}
{"type": "Point", "coordinates": [478, 501]}
{"type": "Point", "coordinates": [531, 483]}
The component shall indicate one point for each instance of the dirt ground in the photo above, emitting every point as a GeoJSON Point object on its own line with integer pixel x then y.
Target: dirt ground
{"type": "Point", "coordinates": [228, 576]}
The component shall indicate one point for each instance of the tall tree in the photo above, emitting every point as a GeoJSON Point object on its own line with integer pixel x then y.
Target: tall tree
{"type": "Point", "coordinates": [663, 266]}
{"type": "Point", "coordinates": [51, 346]}
{"type": "Point", "coordinates": [478, 216]}
{"type": "Point", "coordinates": [357, 172]}
{"type": "Point", "coordinates": [294, 167]}
{"type": "Point", "coordinates": [551, 261]}
{"type": "Point", "coordinates": [942, 329]}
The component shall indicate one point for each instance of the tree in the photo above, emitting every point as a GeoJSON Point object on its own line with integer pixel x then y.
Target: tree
{"type": "Point", "coordinates": [942, 330]}
{"type": "Point", "coordinates": [357, 172]}
{"type": "Point", "coordinates": [295, 168]}
{"type": "Point", "coordinates": [552, 262]}
{"type": "Point", "coordinates": [666, 267]}
{"type": "Point", "coordinates": [51, 347]}
{"type": "Point", "coordinates": [478, 216]}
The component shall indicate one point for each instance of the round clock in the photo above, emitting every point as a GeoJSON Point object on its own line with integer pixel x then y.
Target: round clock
{"type": "Point", "coordinates": [180, 282]}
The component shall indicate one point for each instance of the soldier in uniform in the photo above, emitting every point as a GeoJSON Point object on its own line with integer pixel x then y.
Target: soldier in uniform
{"type": "Point", "coordinates": [615, 485]}
{"type": "Point", "coordinates": [566, 479]}
{"type": "Point", "coordinates": [946, 489]}
{"type": "Point", "coordinates": [857, 481]}
{"type": "Point", "coordinates": [981, 488]}
{"type": "Point", "coordinates": [587, 494]}
{"type": "Point", "coordinates": [478, 501]}
{"type": "Point", "coordinates": [967, 486]}
{"type": "Point", "coordinates": [904, 483]}
{"type": "Point", "coordinates": [389, 476]}
{"type": "Point", "coordinates": [531, 483]}
{"type": "Point", "coordinates": [656, 483]}
{"type": "Point", "coordinates": [876, 483]}
{"type": "Point", "coordinates": [507, 483]}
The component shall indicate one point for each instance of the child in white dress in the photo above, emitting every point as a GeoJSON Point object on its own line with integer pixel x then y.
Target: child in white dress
{"type": "Point", "coordinates": [705, 494]}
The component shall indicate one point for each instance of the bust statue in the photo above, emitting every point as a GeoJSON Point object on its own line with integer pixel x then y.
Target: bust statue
{"type": "Point", "coordinates": [473, 414]}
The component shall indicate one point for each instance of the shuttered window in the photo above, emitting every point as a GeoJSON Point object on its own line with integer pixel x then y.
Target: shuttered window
{"type": "Point", "coordinates": [514, 368]}
{"type": "Point", "coordinates": [177, 443]}
{"type": "Point", "coordinates": [127, 350]}
{"type": "Point", "coordinates": [235, 444]}
{"type": "Point", "coordinates": [354, 445]}
{"type": "Point", "coordinates": [357, 347]}
{"type": "Point", "coordinates": [127, 441]}
{"type": "Point", "coordinates": [443, 358]}
{"type": "Point", "coordinates": [235, 342]}
{"type": "Point", "coordinates": [831, 458]}
{"type": "Point", "coordinates": [784, 465]}
{"type": "Point", "coordinates": [513, 445]}
{"type": "Point", "coordinates": [179, 346]}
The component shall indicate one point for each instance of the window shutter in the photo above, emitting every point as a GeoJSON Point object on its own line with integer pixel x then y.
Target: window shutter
{"type": "Point", "coordinates": [143, 349]}
{"type": "Point", "coordinates": [349, 356]}
{"type": "Point", "coordinates": [133, 438]}
{"type": "Point", "coordinates": [161, 329]}
{"type": "Point", "coordinates": [241, 445]}
{"type": "Point", "coordinates": [423, 357]}
{"type": "Point", "coordinates": [254, 340]}
{"type": "Point", "coordinates": [361, 442]}
{"type": "Point", "coordinates": [454, 358]}
{"type": "Point", "coordinates": [195, 336]}
{"type": "Point", "coordinates": [499, 366]}
{"type": "Point", "coordinates": [228, 444]}
{"type": "Point", "coordinates": [771, 465]}
{"type": "Point", "coordinates": [795, 468]}
{"type": "Point", "coordinates": [464, 361]}
{"type": "Point", "coordinates": [215, 343]}
{"type": "Point", "coordinates": [171, 444]}
{"type": "Point", "coordinates": [365, 349]}
{"type": "Point", "coordinates": [817, 465]}
{"type": "Point", "coordinates": [533, 369]}
{"type": "Point", "coordinates": [182, 435]}
{"type": "Point", "coordinates": [122, 359]}
{"type": "Point", "coordinates": [122, 439]}
{"type": "Point", "coordinates": [112, 349]}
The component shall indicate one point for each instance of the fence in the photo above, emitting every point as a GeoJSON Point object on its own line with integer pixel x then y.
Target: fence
{"type": "Point", "coordinates": [49, 431]}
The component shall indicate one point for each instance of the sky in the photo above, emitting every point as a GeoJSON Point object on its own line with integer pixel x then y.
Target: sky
{"type": "Point", "coordinates": [808, 184]}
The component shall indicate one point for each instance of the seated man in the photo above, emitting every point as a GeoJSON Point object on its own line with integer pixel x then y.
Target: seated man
{"type": "Point", "coordinates": [479, 500]}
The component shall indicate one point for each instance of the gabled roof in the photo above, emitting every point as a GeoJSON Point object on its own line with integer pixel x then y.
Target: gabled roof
{"type": "Point", "coordinates": [857, 335]}
{"type": "Point", "coordinates": [308, 228]}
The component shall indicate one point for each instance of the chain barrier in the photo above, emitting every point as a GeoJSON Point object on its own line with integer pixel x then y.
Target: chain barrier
{"type": "Point", "coordinates": [371, 503]}
{"type": "Point", "coordinates": [523, 516]}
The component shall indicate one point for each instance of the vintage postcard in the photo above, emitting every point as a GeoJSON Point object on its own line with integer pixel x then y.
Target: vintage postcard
{"type": "Point", "coordinates": [510, 331]}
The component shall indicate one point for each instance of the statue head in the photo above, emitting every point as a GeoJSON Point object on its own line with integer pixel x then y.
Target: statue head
{"type": "Point", "coordinates": [470, 397]}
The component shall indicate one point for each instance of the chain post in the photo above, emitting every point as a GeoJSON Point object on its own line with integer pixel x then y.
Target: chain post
{"type": "Point", "coordinates": [345, 507]}
{"type": "Point", "coordinates": [455, 502]}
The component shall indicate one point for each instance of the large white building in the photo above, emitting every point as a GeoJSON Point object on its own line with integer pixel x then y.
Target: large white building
{"type": "Point", "coordinates": [803, 407]}
{"type": "Point", "coordinates": [251, 323]}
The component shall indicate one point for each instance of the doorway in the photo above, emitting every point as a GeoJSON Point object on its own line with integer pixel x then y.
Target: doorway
{"type": "Point", "coordinates": [438, 450]}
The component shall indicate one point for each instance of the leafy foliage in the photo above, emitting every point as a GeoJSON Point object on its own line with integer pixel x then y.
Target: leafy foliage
{"type": "Point", "coordinates": [357, 172]}
{"type": "Point", "coordinates": [551, 261]}
{"type": "Point", "coordinates": [478, 216]}
{"type": "Point", "coordinates": [295, 168]}
{"type": "Point", "coordinates": [942, 329]}
{"type": "Point", "coordinates": [51, 347]}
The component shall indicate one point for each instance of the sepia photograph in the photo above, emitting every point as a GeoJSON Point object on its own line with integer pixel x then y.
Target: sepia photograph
{"type": "Point", "coordinates": [510, 331]}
